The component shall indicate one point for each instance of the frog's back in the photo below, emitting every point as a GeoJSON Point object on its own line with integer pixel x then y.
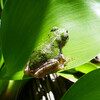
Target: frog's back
{"type": "Point", "coordinates": [37, 58]}
{"type": "Point", "coordinates": [48, 50]}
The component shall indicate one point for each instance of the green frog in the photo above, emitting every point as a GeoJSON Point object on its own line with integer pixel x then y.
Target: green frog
{"type": "Point", "coordinates": [48, 57]}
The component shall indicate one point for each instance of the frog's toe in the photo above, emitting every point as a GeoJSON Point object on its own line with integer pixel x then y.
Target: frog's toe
{"type": "Point", "coordinates": [68, 60]}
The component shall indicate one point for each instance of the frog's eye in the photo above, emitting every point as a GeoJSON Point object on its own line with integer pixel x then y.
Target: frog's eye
{"type": "Point", "coordinates": [54, 29]}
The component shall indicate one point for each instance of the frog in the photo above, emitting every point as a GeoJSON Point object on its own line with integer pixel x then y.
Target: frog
{"type": "Point", "coordinates": [48, 58]}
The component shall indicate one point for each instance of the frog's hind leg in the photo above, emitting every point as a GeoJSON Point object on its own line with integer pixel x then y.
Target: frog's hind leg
{"type": "Point", "coordinates": [61, 67]}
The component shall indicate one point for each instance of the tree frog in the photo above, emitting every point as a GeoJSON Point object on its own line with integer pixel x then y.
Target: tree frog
{"type": "Point", "coordinates": [48, 58]}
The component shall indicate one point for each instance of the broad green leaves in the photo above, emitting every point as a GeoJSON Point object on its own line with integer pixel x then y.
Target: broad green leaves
{"type": "Point", "coordinates": [87, 88]}
{"type": "Point", "coordinates": [85, 68]}
{"type": "Point", "coordinates": [25, 25]}
{"type": "Point", "coordinates": [21, 24]}
{"type": "Point", "coordinates": [72, 75]}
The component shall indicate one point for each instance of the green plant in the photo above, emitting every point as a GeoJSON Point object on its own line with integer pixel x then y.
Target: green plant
{"type": "Point", "coordinates": [25, 25]}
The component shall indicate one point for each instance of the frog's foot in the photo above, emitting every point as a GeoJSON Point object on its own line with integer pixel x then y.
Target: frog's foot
{"type": "Point", "coordinates": [67, 60]}
{"type": "Point", "coordinates": [61, 67]}
{"type": "Point", "coordinates": [64, 62]}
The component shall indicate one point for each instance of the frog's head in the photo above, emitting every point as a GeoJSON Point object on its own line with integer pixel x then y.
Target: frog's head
{"type": "Point", "coordinates": [62, 36]}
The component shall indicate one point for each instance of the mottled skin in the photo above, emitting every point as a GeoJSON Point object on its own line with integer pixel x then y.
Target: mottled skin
{"type": "Point", "coordinates": [41, 63]}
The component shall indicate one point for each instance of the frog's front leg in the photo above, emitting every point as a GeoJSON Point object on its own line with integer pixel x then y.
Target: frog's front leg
{"type": "Point", "coordinates": [68, 60]}
{"type": "Point", "coordinates": [63, 61]}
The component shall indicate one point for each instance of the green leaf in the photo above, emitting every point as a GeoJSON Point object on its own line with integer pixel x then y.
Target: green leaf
{"type": "Point", "coordinates": [69, 76]}
{"type": "Point", "coordinates": [1, 3]}
{"type": "Point", "coordinates": [86, 88]}
{"type": "Point", "coordinates": [85, 68]}
{"type": "Point", "coordinates": [98, 64]}
{"type": "Point", "coordinates": [3, 85]}
{"type": "Point", "coordinates": [1, 56]}
{"type": "Point", "coordinates": [73, 75]}
{"type": "Point", "coordinates": [25, 25]}
{"type": "Point", "coordinates": [21, 26]}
